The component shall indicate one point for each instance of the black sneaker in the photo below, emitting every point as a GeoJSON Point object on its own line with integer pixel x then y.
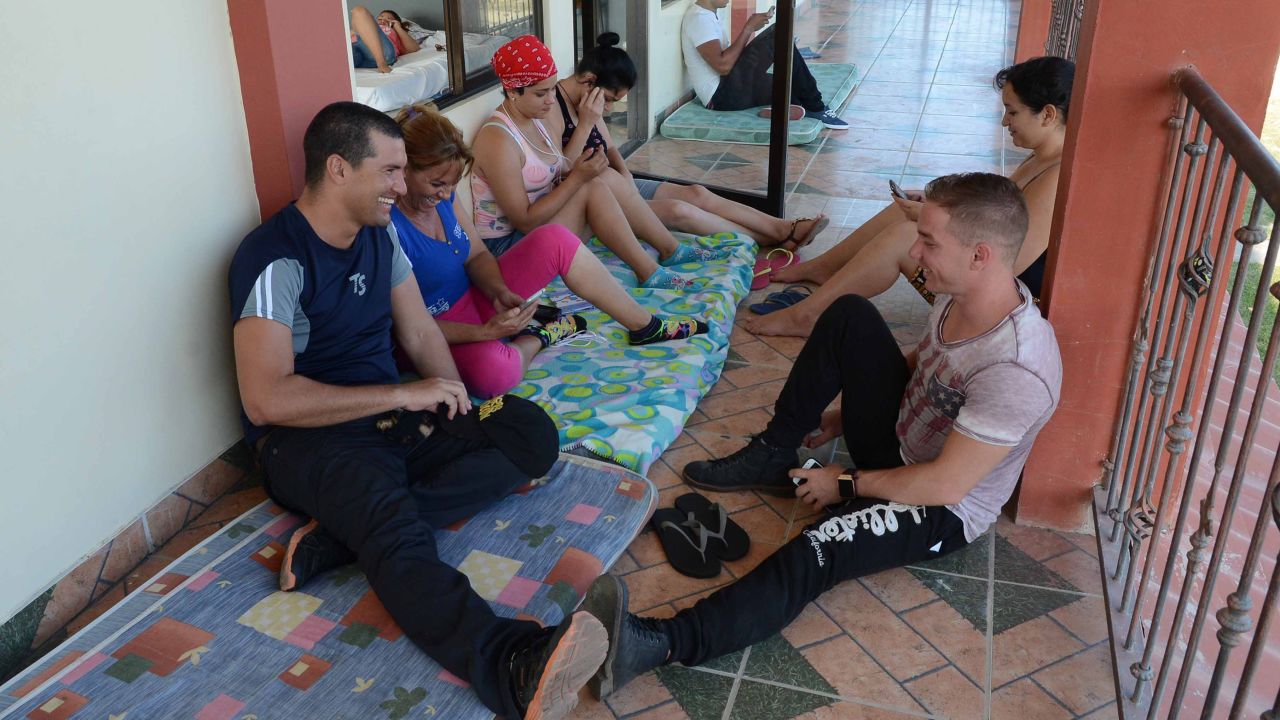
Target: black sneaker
{"type": "Point", "coordinates": [758, 466]}
{"type": "Point", "coordinates": [310, 552]}
{"type": "Point", "coordinates": [636, 645]}
{"type": "Point", "coordinates": [548, 672]}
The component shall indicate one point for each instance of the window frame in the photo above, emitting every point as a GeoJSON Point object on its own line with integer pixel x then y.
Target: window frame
{"type": "Point", "coordinates": [462, 87]}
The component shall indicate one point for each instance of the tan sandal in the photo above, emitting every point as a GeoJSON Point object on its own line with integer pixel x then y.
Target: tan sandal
{"type": "Point", "coordinates": [820, 223]}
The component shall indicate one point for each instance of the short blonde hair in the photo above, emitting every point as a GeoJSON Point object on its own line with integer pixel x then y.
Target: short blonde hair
{"type": "Point", "coordinates": [430, 139]}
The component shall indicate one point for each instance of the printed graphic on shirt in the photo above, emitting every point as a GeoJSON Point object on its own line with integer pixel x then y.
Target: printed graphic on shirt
{"type": "Point", "coordinates": [944, 399]}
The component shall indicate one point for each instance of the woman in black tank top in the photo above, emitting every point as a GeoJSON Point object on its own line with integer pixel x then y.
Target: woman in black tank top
{"type": "Point", "coordinates": [605, 75]}
{"type": "Point", "coordinates": [869, 261]}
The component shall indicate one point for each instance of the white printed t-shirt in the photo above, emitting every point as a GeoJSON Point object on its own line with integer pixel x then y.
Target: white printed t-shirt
{"type": "Point", "coordinates": [998, 388]}
{"type": "Point", "coordinates": [699, 27]}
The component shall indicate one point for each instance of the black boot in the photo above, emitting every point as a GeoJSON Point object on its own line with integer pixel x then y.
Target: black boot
{"type": "Point", "coordinates": [548, 671]}
{"type": "Point", "coordinates": [758, 466]}
{"type": "Point", "coordinates": [636, 646]}
{"type": "Point", "coordinates": [310, 552]}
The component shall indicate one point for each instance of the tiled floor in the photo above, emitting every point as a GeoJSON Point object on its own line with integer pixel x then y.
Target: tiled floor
{"type": "Point", "coordinates": [1011, 627]}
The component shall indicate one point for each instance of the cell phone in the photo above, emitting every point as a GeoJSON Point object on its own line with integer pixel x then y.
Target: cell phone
{"type": "Point", "coordinates": [896, 190]}
{"type": "Point", "coordinates": [531, 300]}
{"type": "Point", "coordinates": [808, 465]}
{"type": "Point", "coordinates": [772, 9]}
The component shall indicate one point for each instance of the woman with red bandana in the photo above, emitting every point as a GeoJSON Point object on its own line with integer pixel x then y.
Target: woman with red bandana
{"type": "Point", "coordinates": [522, 179]}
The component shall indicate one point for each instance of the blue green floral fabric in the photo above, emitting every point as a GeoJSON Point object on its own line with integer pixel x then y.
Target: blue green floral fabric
{"type": "Point", "coordinates": [627, 404]}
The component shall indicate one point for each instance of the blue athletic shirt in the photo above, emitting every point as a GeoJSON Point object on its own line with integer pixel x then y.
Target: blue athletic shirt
{"type": "Point", "coordinates": [440, 267]}
{"type": "Point", "coordinates": [336, 302]}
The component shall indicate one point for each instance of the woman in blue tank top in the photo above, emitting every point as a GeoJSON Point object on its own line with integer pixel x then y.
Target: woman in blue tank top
{"type": "Point", "coordinates": [477, 299]}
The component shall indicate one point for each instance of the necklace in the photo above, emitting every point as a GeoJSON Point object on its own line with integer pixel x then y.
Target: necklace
{"type": "Point", "coordinates": [554, 154]}
{"type": "Point", "coordinates": [423, 227]}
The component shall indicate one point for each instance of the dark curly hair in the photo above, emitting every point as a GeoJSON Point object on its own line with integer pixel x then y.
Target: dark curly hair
{"type": "Point", "coordinates": [1039, 82]}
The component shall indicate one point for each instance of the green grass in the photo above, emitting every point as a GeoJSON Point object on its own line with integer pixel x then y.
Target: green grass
{"type": "Point", "coordinates": [1252, 281]}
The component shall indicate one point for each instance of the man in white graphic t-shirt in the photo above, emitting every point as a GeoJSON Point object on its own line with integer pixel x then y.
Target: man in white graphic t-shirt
{"type": "Point", "coordinates": [939, 437]}
{"type": "Point", "coordinates": [735, 76]}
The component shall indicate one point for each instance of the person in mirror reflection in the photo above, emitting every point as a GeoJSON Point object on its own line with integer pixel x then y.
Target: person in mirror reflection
{"type": "Point", "coordinates": [1035, 95]}
{"type": "Point", "coordinates": [390, 18]}
{"type": "Point", "coordinates": [939, 437]}
{"type": "Point", "coordinates": [377, 42]}
{"type": "Point", "coordinates": [604, 76]}
{"type": "Point", "coordinates": [738, 75]}
{"type": "Point", "coordinates": [479, 301]}
{"type": "Point", "coordinates": [522, 180]}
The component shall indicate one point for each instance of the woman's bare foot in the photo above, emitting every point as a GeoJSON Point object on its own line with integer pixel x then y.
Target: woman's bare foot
{"type": "Point", "coordinates": [814, 271]}
{"type": "Point", "coordinates": [791, 322]}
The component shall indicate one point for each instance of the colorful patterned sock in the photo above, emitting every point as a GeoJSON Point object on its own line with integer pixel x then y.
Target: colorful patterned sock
{"type": "Point", "coordinates": [662, 329]}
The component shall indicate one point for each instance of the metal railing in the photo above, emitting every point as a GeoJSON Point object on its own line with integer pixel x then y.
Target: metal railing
{"type": "Point", "coordinates": [1154, 496]}
{"type": "Point", "coordinates": [1064, 28]}
{"type": "Point", "coordinates": [511, 18]}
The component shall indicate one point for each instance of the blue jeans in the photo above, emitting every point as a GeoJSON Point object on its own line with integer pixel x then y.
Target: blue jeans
{"type": "Point", "coordinates": [499, 245]}
{"type": "Point", "coordinates": [361, 57]}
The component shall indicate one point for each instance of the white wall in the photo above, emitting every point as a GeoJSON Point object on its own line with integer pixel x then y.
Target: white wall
{"type": "Point", "coordinates": [666, 74]}
{"type": "Point", "coordinates": [126, 188]}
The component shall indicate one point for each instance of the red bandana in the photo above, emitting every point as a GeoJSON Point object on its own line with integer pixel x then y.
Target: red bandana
{"type": "Point", "coordinates": [523, 62]}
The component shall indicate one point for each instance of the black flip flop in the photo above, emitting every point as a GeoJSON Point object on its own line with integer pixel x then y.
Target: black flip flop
{"type": "Point", "coordinates": [685, 543]}
{"type": "Point", "coordinates": [728, 541]}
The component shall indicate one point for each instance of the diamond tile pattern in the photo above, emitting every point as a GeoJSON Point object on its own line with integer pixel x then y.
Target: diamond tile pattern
{"type": "Point", "coordinates": [1011, 626]}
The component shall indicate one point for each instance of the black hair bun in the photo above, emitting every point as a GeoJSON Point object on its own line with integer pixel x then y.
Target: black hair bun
{"type": "Point", "coordinates": [608, 40]}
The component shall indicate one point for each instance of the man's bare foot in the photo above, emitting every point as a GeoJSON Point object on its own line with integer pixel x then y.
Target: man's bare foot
{"type": "Point", "coordinates": [791, 322]}
{"type": "Point", "coordinates": [814, 271]}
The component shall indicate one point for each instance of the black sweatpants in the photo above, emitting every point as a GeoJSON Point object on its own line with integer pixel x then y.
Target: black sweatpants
{"type": "Point", "coordinates": [853, 353]}
{"type": "Point", "coordinates": [384, 501]}
{"type": "Point", "coordinates": [749, 83]}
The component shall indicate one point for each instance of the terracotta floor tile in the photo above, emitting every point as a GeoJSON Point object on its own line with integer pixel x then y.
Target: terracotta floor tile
{"type": "Point", "coordinates": [677, 458]}
{"type": "Point", "coordinates": [1106, 712]}
{"type": "Point", "coordinates": [642, 693]}
{"type": "Point", "coordinates": [856, 676]}
{"type": "Point", "coordinates": [954, 636]}
{"type": "Point", "coordinates": [1079, 568]}
{"type": "Point", "coordinates": [695, 417]}
{"type": "Point", "coordinates": [127, 550]}
{"type": "Point", "coordinates": [789, 347]}
{"type": "Point", "coordinates": [1085, 618]}
{"type": "Point", "coordinates": [179, 544]}
{"type": "Point", "coordinates": [948, 693]}
{"type": "Point", "coordinates": [99, 606]}
{"type": "Point", "coordinates": [810, 626]}
{"type": "Point", "coordinates": [1026, 648]}
{"type": "Point", "coordinates": [591, 709]}
{"type": "Point", "coordinates": [230, 507]}
{"type": "Point", "coordinates": [756, 374]}
{"type": "Point", "coordinates": [646, 550]}
{"type": "Point", "coordinates": [759, 353]}
{"type": "Point", "coordinates": [736, 401]}
{"type": "Point", "coordinates": [168, 517]}
{"type": "Point", "coordinates": [1024, 700]}
{"type": "Point", "coordinates": [898, 589]}
{"type": "Point", "coordinates": [660, 584]}
{"type": "Point", "coordinates": [662, 476]}
{"type": "Point", "coordinates": [732, 502]}
{"type": "Point", "coordinates": [757, 554]}
{"type": "Point", "coordinates": [719, 445]}
{"type": "Point", "coordinates": [1040, 543]}
{"type": "Point", "coordinates": [689, 601]}
{"type": "Point", "coordinates": [852, 711]}
{"type": "Point", "coordinates": [144, 572]}
{"type": "Point", "coordinates": [681, 440]}
{"type": "Point", "coordinates": [738, 425]}
{"type": "Point", "coordinates": [1084, 682]}
{"type": "Point", "coordinates": [892, 642]}
{"type": "Point", "coordinates": [624, 565]}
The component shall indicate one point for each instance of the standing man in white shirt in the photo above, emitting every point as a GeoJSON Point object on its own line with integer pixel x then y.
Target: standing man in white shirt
{"type": "Point", "coordinates": [734, 76]}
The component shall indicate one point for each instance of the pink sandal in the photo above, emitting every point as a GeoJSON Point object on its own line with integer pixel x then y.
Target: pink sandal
{"type": "Point", "coordinates": [767, 265]}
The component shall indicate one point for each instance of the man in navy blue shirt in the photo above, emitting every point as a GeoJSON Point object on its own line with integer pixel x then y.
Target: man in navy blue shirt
{"type": "Point", "coordinates": [316, 292]}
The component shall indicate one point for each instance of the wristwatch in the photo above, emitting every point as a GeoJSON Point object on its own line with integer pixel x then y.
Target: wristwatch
{"type": "Point", "coordinates": [848, 490]}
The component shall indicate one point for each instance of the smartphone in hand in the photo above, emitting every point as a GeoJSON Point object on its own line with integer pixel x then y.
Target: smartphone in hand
{"type": "Point", "coordinates": [531, 300]}
{"type": "Point", "coordinates": [896, 190]}
{"type": "Point", "coordinates": [808, 465]}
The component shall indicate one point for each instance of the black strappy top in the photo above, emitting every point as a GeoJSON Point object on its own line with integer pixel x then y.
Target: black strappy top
{"type": "Point", "coordinates": [1033, 276]}
{"type": "Point", "coordinates": [594, 140]}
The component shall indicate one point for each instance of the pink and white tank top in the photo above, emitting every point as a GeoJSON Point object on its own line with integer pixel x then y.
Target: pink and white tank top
{"type": "Point", "coordinates": [539, 178]}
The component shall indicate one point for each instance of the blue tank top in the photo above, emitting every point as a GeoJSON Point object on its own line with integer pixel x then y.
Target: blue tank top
{"type": "Point", "coordinates": [439, 265]}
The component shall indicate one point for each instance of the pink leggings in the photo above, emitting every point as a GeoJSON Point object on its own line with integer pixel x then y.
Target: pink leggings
{"type": "Point", "coordinates": [493, 367]}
